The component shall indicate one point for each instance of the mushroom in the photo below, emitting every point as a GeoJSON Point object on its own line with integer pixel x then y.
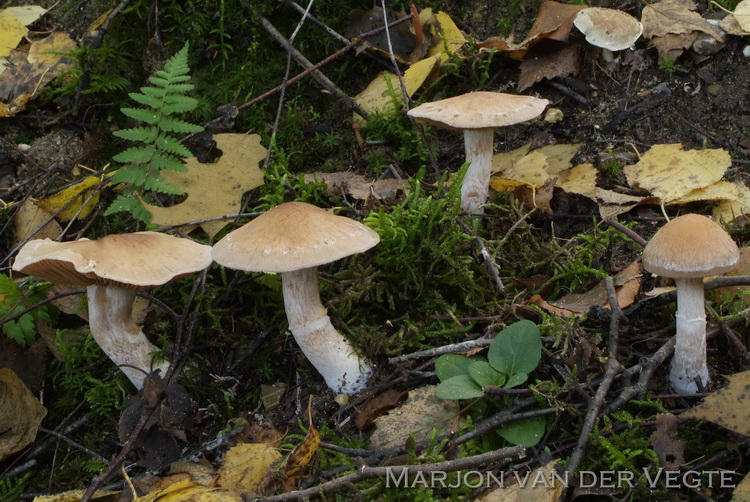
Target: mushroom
{"type": "Point", "coordinates": [478, 114]}
{"type": "Point", "coordinates": [610, 29]}
{"type": "Point", "coordinates": [687, 249]}
{"type": "Point", "coordinates": [113, 269]}
{"type": "Point", "coordinates": [292, 239]}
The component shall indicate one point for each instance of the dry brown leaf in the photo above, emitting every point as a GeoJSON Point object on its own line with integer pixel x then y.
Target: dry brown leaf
{"type": "Point", "coordinates": [675, 16]}
{"type": "Point", "coordinates": [554, 21]}
{"type": "Point", "coordinates": [29, 218]}
{"type": "Point", "coordinates": [540, 485]}
{"type": "Point", "coordinates": [742, 15]}
{"type": "Point", "coordinates": [419, 414]}
{"type": "Point", "coordinates": [549, 60]}
{"type": "Point", "coordinates": [728, 407]}
{"type": "Point", "coordinates": [741, 492]}
{"type": "Point", "coordinates": [76, 495]}
{"type": "Point", "coordinates": [376, 406]}
{"type": "Point", "coordinates": [672, 45]}
{"type": "Point", "coordinates": [669, 172]}
{"type": "Point", "coordinates": [669, 449]}
{"type": "Point", "coordinates": [360, 187]}
{"type": "Point", "coordinates": [214, 190]}
{"type": "Point", "coordinates": [20, 414]}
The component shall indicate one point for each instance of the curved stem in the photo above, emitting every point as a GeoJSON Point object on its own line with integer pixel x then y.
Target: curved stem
{"type": "Point", "coordinates": [328, 351]}
{"type": "Point", "coordinates": [689, 360]}
{"type": "Point", "coordinates": [113, 328]}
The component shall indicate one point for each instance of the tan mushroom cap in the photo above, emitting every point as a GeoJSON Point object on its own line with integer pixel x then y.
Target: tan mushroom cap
{"type": "Point", "coordinates": [610, 29]}
{"type": "Point", "coordinates": [293, 236]}
{"type": "Point", "coordinates": [140, 260]}
{"type": "Point", "coordinates": [479, 110]}
{"type": "Point", "coordinates": [690, 246]}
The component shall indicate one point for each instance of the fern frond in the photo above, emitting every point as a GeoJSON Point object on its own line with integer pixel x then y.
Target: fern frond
{"type": "Point", "coordinates": [147, 116]}
{"type": "Point", "coordinates": [170, 124]}
{"type": "Point", "coordinates": [132, 175]}
{"type": "Point", "coordinates": [156, 184]}
{"type": "Point", "coordinates": [135, 155]}
{"type": "Point", "coordinates": [129, 204]}
{"type": "Point", "coordinates": [151, 101]}
{"type": "Point", "coordinates": [144, 134]}
{"type": "Point", "coordinates": [169, 144]}
{"type": "Point", "coordinates": [168, 162]}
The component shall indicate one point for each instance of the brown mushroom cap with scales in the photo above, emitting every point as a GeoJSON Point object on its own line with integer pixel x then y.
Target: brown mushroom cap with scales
{"type": "Point", "coordinates": [478, 114]}
{"type": "Point", "coordinates": [113, 268]}
{"type": "Point", "coordinates": [293, 239]}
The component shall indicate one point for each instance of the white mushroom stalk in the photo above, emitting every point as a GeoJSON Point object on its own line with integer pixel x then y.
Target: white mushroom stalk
{"type": "Point", "coordinates": [689, 362]}
{"type": "Point", "coordinates": [113, 328]}
{"type": "Point", "coordinates": [326, 349]}
{"type": "Point", "coordinates": [476, 184]}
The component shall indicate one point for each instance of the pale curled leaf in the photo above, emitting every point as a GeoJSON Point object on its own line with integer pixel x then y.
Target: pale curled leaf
{"type": "Point", "coordinates": [20, 414]}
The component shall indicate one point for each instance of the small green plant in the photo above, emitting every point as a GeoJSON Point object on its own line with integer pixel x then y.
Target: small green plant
{"type": "Point", "coordinates": [513, 354]}
{"type": "Point", "coordinates": [12, 302]}
{"type": "Point", "coordinates": [668, 65]}
{"type": "Point", "coordinates": [158, 147]}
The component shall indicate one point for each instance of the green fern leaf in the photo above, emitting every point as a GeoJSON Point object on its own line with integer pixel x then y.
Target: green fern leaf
{"type": "Point", "coordinates": [130, 205]}
{"type": "Point", "coordinates": [135, 155]}
{"type": "Point", "coordinates": [147, 116]}
{"type": "Point", "coordinates": [154, 102]}
{"type": "Point", "coordinates": [171, 124]}
{"type": "Point", "coordinates": [135, 175]}
{"type": "Point", "coordinates": [169, 162]}
{"type": "Point", "coordinates": [172, 145]}
{"type": "Point", "coordinates": [144, 134]}
{"type": "Point", "coordinates": [156, 184]}
{"type": "Point", "coordinates": [180, 88]}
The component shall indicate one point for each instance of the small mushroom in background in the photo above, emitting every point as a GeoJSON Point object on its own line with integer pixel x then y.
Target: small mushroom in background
{"type": "Point", "coordinates": [113, 269]}
{"type": "Point", "coordinates": [610, 29]}
{"type": "Point", "coordinates": [478, 114]}
{"type": "Point", "coordinates": [293, 239]}
{"type": "Point", "coordinates": [688, 249]}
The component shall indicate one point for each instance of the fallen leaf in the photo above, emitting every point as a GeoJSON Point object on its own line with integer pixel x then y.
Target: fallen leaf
{"type": "Point", "coordinates": [742, 14]}
{"type": "Point", "coordinates": [449, 38]}
{"type": "Point", "coordinates": [675, 16]}
{"type": "Point", "coordinates": [741, 294]}
{"type": "Point", "coordinates": [400, 40]}
{"type": "Point", "coordinates": [728, 407]}
{"type": "Point", "coordinates": [214, 190]}
{"type": "Point", "coordinates": [540, 485]}
{"type": "Point", "coordinates": [31, 220]}
{"type": "Point", "coordinates": [77, 201]}
{"type": "Point", "coordinates": [377, 406]}
{"type": "Point", "coordinates": [76, 495]}
{"type": "Point", "coordinates": [531, 170]}
{"type": "Point", "coordinates": [669, 172]}
{"type": "Point", "coordinates": [245, 465]}
{"type": "Point", "coordinates": [20, 414]}
{"type": "Point", "coordinates": [741, 492]}
{"type": "Point", "coordinates": [728, 210]}
{"type": "Point", "coordinates": [359, 187]}
{"type": "Point", "coordinates": [12, 31]}
{"type": "Point", "coordinates": [554, 21]}
{"type": "Point", "coordinates": [296, 464]}
{"type": "Point", "coordinates": [26, 14]}
{"type": "Point", "coordinates": [418, 415]}
{"type": "Point", "coordinates": [549, 60]}
{"type": "Point", "coordinates": [669, 449]}
{"type": "Point", "coordinates": [672, 45]}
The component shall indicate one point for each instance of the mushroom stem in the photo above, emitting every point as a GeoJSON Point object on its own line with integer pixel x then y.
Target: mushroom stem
{"type": "Point", "coordinates": [689, 360]}
{"type": "Point", "coordinates": [328, 351]}
{"type": "Point", "coordinates": [476, 185]}
{"type": "Point", "coordinates": [113, 328]}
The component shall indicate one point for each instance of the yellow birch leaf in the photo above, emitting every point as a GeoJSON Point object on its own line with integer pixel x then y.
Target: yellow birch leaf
{"type": "Point", "coordinates": [20, 414]}
{"type": "Point", "coordinates": [505, 160]}
{"type": "Point", "coordinates": [721, 190]}
{"type": "Point", "coordinates": [214, 190]}
{"type": "Point", "coordinates": [26, 14]}
{"type": "Point", "coordinates": [451, 37]}
{"type": "Point", "coordinates": [727, 211]}
{"type": "Point", "coordinates": [581, 180]}
{"type": "Point", "coordinates": [728, 407]}
{"type": "Point", "coordinates": [669, 172]}
{"type": "Point", "coordinates": [559, 156]}
{"type": "Point", "coordinates": [12, 32]}
{"type": "Point", "coordinates": [245, 465]}
{"type": "Point", "coordinates": [47, 50]}
{"type": "Point", "coordinates": [83, 198]}
{"type": "Point", "coordinates": [530, 169]}
{"type": "Point", "coordinates": [377, 94]}
{"type": "Point", "coordinates": [76, 495]}
{"type": "Point", "coordinates": [298, 460]}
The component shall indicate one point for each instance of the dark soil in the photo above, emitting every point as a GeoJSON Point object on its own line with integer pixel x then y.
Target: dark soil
{"type": "Point", "coordinates": [610, 108]}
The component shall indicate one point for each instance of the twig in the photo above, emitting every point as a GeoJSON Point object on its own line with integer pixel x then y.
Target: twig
{"type": "Point", "coordinates": [437, 351]}
{"type": "Point", "coordinates": [634, 236]}
{"type": "Point", "coordinates": [613, 367]}
{"type": "Point", "coordinates": [74, 444]}
{"type": "Point", "coordinates": [488, 261]}
{"type": "Point", "coordinates": [505, 455]}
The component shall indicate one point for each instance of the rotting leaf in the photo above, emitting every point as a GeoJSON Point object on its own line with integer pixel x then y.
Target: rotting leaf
{"type": "Point", "coordinates": [360, 187]}
{"type": "Point", "coordinates": [20, 414]}
{"type": "Point", "coordinates": [377, 406]}
{"type": "Point", "coordinates": [669, 449]}
{"type": "Point", "coordinates": [675, 17]}
{"type": "Point", "coordinates": [669, 172]}
{"type": "Point", "coordinates": [12, 31]}
{"type": "Point", "coordinates": [214, 190]}
{"type": "Point", "coordinates": [549, 60]}
{"type": "Point", "coordinates": [81, 199]}
{"type": "Point", "coordinates": [728, 407]}
{"type": "Point", "coordinates": [245, 465]}
{"type": "Point", "coordinates": [31, 220]}
{"type": "Point", "coordinates": [296, 464]}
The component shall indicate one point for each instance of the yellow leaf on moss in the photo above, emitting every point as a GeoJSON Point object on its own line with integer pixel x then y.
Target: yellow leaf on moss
{"type": "Point", "coordinates": [505, 160]}
{"type": "Point", "coordinates": [214, 190]}
{"type": "Point", "coordinates": [48, 51]}
{"type": "Point", "coordinates": [245, 465]}
{"type": "Point", "coordinates": [669, 172]}
{"type": "Point", "coordinates": [581, 180]}
{"type": "Point", "coordinates": [728, 407]}
{"type": "Point", "coordinates": [451, 37]}
{"type": "Point", "coordinates": [76, 201]}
